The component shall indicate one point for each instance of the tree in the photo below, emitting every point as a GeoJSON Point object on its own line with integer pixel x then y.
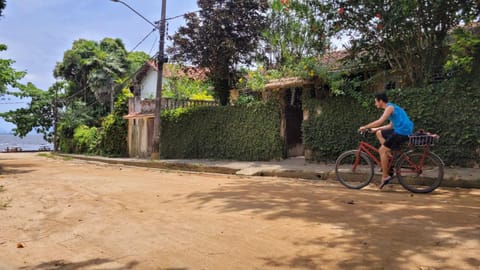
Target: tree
{"type": "Point", "coordinates": [408, 35]}
{"type": "Point", "coordinates": [90, 69]}
{"type": "Point", "coordinates": [464, 55]}
{"type": "Point", "coordinates": [3, 4]}
{"type": "Point", "coordinates": [295, 31]}
{"type": "Point", "coordinates": [40, 112]}
{"type": "Point", "coordinates": [224, 35]}
{"type": "Point", "coordinates": [9, 77]}
{"type": "Point", "coordinates": [135, 61]}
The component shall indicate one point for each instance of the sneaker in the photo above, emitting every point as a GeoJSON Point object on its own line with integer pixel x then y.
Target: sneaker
{"type": "Point", "coordinates": [385, 182]}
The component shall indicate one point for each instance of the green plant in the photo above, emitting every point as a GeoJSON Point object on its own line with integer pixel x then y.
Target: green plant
{"type": "Point", "coordinates": [85, 139]}
{"type": "Point", "coordinates": [449, 109]}
{"type": "Point", "coordinates": [47, 155]}
{"type": "Point", "coordinates": [112, 136]}
{"type": "Point", "coordinates": [246, 132]}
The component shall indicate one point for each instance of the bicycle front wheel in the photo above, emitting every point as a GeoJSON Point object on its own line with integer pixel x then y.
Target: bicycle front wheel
{"type": "Point", "coordinates": [419, 173]}
{"type": "Point", "coordinates": [354, 169]}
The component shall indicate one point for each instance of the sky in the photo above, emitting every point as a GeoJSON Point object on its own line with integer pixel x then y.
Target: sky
{"type": "Point", "coordinates": [38, 32]}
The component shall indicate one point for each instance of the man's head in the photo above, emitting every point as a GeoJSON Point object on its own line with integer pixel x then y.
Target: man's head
{"type": "Point", "coordinates": [381, 100]}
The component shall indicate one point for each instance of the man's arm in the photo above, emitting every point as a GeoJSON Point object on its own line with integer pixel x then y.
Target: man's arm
{"type": "Point", "coordinates": [388, 111]}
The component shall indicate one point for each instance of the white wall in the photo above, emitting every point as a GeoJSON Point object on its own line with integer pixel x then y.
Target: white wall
{"type": "Point", "coordinates": [149, 85]}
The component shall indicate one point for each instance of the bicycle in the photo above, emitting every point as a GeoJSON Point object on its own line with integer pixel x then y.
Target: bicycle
{"type": "Point", "coordinates": [418, 170]}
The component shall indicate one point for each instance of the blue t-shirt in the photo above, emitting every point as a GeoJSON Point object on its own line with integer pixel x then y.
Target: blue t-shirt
{"type": "Point", "coordinates": [402, 125]}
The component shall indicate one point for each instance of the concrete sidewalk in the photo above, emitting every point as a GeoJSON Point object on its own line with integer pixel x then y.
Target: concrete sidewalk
{"type": "Point", "coordinates": [293, 168]}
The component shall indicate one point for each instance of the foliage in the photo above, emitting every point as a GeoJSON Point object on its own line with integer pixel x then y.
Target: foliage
{"type": "Point", "coordinates": [407, 36]}
{"type": "Point", "coordinates": [332, 126]}
{"type": "Point", "coordinates": [112, 138]}
{"type": "Point", "coordinates": [464, 51]}
{"type": "Point", "coordinates": [449, 109]}
{"type": "Point", "coordinates": [181, 87]}
{"type": "Point", "coordinates": [136, 60]}
{"type": "Point", "coordinates": [249, 132]}
{"type": "Point", "coordinates": [8, 75]}
{"type": "Point", "coordinates": [84, 139]}
{"type": "Point", "coordinates": [73, 116]}
{"type": "Point", "coordinates": [39, 114]}
{"type": "Point", "coordinates": [90, 68]}
{"type": "Point", "coordinates": [305, 68]}
{"type": "Point", "coordinates": [3, 4]}
{"type": "Point", "coordinates": [92, 72]}
{"type": "Point", "coordinates": [295, 32]}
{"type": "Point", "coordinates": [223, 35]}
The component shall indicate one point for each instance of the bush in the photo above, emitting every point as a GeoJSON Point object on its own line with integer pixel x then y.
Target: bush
{"type": "Point", "coordinates": [85, 139]}
{"type": "Point", "coordinates": [247, 132]}
{"type": "Point", "coordinates": [112, 140]}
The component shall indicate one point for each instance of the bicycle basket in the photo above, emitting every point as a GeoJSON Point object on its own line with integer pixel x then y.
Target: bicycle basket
{"type": "Point", "coordinates": [422, 138]}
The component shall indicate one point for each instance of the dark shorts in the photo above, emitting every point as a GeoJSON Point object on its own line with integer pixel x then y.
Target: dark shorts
{"type": "Point", "coordinates": [392, 140]}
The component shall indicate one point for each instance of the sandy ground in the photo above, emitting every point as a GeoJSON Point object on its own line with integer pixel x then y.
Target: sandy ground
{"type": "Point", "coordinates": [59, 213]}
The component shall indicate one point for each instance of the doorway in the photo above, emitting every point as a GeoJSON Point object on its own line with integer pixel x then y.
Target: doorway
{"type": "Point", "coordinates": [293, 122]}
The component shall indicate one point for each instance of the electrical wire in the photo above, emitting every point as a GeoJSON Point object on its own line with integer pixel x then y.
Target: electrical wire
{"type": "Point", "coordinates": [153, 45]}
{"type": "Point", "coordinates": [141, 41]}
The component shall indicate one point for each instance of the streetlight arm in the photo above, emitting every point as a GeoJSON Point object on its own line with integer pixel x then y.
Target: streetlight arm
{"type": "Point", "coordinates": [136, 12]}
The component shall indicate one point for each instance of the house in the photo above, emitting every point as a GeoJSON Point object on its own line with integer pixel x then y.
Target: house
{"type": "Point", "coordinates": [141, 107]}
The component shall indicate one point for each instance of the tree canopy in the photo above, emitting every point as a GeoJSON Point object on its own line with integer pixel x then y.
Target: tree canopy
{"type": "Point", "coordinates": [222, 36]}
{"type": "Point", "coordinates": [9, 77]}
{"type": "Point", "coordinates": [295, 31]}
{"type": "Point", "coordinates": [3, 4]}
{"type": "Point", "coordinates": [408, 35]}
{"type": "Point", "coordinates": [39, 115]}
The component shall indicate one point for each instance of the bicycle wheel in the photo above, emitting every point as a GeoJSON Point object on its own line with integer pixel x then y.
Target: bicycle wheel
{"type": "Point", "coordinates": [351, 173]}
{"type": "Point", "coordinates": [416, 178]}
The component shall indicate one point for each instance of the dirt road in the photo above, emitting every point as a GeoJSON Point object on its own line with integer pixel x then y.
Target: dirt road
{"type": "Point", "coordinates": [61, 213]}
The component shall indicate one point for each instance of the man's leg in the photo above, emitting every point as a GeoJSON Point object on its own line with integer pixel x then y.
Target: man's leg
{"type": "Point", "coordinates": [380, 137]}
{"type": "Point", "coordinates": [385, 155]}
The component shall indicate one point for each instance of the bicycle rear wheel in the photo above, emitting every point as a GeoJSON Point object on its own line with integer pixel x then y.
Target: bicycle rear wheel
{"type": "Point", "coordinates": [417, 178]}
{"type": "Point", "coordinates": [354, 169]}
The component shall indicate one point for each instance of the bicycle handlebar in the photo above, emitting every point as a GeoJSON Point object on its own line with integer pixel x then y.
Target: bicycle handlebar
{"type": "Point", "coordinates": [365, 132]}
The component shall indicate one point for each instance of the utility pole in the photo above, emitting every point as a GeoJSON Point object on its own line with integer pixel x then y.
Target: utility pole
{"type": "Point", "coordinates": [157, 121]}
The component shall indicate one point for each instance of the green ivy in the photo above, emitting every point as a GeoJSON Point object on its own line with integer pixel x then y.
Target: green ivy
{"type": "Point", "coordinates": [246, 132]}
{"type": "Point", "coordinates": [449, 109]}
{"type": "Point", "coordinates": [332, 126]}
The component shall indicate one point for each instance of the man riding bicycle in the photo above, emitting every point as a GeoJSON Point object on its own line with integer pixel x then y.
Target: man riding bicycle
{"type": "Point", "coordinates": [392, 135]}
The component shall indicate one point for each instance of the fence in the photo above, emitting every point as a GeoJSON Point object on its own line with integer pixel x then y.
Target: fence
{"type": "Point", "coordinates": [147, 106]}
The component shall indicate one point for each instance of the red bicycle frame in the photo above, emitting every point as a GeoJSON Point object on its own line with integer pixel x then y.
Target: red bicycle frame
{"type": "Point", "coordinates": [367, 148]}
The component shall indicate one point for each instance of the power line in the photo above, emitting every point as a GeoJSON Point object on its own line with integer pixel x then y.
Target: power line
{"type": "Point", "coordinates": [141, 41]}
{"type": "Point", "coordinates": [18, 102]}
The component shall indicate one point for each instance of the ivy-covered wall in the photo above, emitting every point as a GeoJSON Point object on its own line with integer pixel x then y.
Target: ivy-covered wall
{"type": "Point", "coordinates": [450, 109]}
{"type": "Point", "coordinates": [246, 132]}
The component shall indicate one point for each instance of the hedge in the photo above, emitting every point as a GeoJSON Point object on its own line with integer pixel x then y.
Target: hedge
{"type": "Point", "coordinates": [248, 132]}
{"type": "Point", "coordinates": [450, 109]}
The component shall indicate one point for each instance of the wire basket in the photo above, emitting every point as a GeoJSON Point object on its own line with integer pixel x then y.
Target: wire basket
{"type": "Point", "coordinates": [423, 139]}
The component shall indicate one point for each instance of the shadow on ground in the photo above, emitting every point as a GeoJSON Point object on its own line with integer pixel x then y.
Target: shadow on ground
{"type": "Point", "coordinates": [17, 168]}
{"type": "Point", "coordinates": [383, 229]}
{"type": "Point", "coordinates": [63, 265]}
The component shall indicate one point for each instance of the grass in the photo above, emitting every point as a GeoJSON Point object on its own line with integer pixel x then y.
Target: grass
{"type": "Point", "coordinates": [47, 155]}
{"type": "Point", "coordinates": [52, 155]}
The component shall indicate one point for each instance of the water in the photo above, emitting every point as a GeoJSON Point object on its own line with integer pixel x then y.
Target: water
{"type": "Point", "coordinates": [31, 142]}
